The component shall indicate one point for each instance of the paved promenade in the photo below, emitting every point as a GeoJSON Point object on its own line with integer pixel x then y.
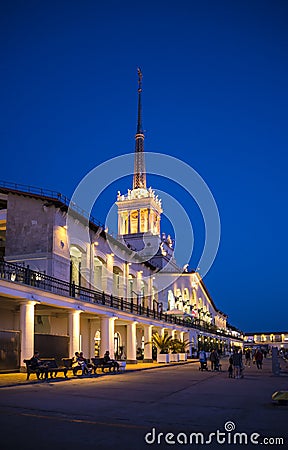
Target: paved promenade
{"type": "Point", "coordinates": [158, 407]}
{"type": "Point", "coordinates": [18, 379]}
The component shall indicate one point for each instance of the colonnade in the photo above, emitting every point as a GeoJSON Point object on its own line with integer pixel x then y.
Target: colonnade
{"type": "Point", "coordinates": [107, 331]}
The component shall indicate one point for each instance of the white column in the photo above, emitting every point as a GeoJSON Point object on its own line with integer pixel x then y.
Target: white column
{"type": "Point", "coordinates": [92, 332]}
{"type": "Point", "coordinates": [139, 221]}
{"type": "Point", "coordinates": [109, 273]}
{"type": "Point", "coordinates": [27, 330]}
{"type": "Point", "coordinates": [147, 346]}
{"type": "Point", "coordinates": [150, 290]}
{"type": "Point", "coordinates": [125, 279]}
{"type": "Point", "coordinates": [163, 331]}
{"type": "Point", "coordinates": [149, 220]}
{"type": "Point", "coordinates": [175, 334]}
{"type": "Point", "coordinates": [129, 224]}
{"type": "Point", "coordinates": [131, 343]}
{"type": "Point", "coordinates": [91, 265]}
{"type": "Point", "coordinates": [170, 332]}
{"type": "Point", "coordinates": [74, 332]}
{"type": "Point", "coordinates": [107, 335]}
{"type": "Point", "coordinates": [85, 267]}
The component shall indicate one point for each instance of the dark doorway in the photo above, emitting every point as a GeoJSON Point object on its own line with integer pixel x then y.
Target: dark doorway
{"type": "Point", "coordinates": [9, 350]}
{"type": "Point", "coordinates": [51, 346]}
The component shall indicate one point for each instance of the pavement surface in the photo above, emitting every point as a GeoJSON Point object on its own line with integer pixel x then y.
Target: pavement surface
{"type": "Point", "coordinates": [175, 405]}
{"type": "Point", "coordinates": [17, 378]}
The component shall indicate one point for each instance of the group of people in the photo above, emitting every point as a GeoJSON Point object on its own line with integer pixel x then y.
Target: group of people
{"type": "Point", "coordinates": [214, 360]}
{"type": "Point", "coordinates": [256, 356]}
{"type": "Point", "coordinates": [236, 366]}
{"type": "Point", "coordinates": [79, 362]}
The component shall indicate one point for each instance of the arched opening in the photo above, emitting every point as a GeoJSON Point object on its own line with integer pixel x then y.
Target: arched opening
{"type": "Point", "coordinates": [99, 270]}
{"type": "Point", "coordinates": [131, 293]}
{"type": "Point", "coordinates": [144, 220]}
{"type": "Point", "coordinates": [171, 300]}
{"type": "Point", "coordinates": [186, 301]}
{"type": "Point", "coordinates": [117, 345]}
{"type": "Point", "coordinates": [97, 339]}
{"type": "Point", "coordinates": [143, 294]}
{"type": "Point", "coordinates": [134, 222]}
{"type": "Point", "coordinates": [179, 300]}
{"type": "Point", "coordinates": [76, 262]}
{"type": "Point", "coordinates": [117, 282]}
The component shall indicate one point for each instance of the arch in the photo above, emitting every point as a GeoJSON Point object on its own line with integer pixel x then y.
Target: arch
{"type": "Point", "coordinates": [117, 344]}
{"type": "Point", "coordinates": [171, 300]}
{"type": "Point", "coordinates": [179, 300]}
{"type": "Point", "coordinates": [118, 281]}
{"type": "Point", "coordinates": [99, 272]}
{"type": "Point", "coordinates": [77, 253]}
{"type": "Point", "coordinates": [97, 340]}
{"type": "Point", "coordinates": [187, 306]}
{"type": "Point", "coordinates": [131, 286]}
{"type": "Point", "coordinates": [154, 293]}
{"type": "Point", "coordinates": [77, 243]}
{"type": "Point", "coordinates": [194, 298]}
{"type": "Point", "coordinates": [186, 294]}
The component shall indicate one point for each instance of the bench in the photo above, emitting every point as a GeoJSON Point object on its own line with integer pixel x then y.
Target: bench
{"type": "Point", "coordinates": [67, 362]}
{"type": "Point", "coordinates": [98, 363]}
{"type": "Point", "coordinates": [52, 369]}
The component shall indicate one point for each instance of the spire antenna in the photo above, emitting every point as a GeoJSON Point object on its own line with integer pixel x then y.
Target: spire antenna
{"type": "Point", "coordinates": [139, 179]}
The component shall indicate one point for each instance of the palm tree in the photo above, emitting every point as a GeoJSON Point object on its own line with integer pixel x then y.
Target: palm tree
{"type": "Point", "coordinates": [162, 343]}
{"type": "Point", "coordinates": [181, 346]}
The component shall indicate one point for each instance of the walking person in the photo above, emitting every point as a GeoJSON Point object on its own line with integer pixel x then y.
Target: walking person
{"type": "Point", "coordinates": [237, 362]}
{"type": "Point", "coordinates": [230, 369]}
{"type": "Point", "coordinates": [213, 359]}
{"type": "Point", "coordinates": [203, 360]}
{"type": "Point", "coordinates": [248, 357]}
{"type": "Point", "coordinates": [259, 358]}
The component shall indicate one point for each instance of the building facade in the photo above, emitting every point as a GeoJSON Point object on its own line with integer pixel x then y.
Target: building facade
{"type": "Point", "coordinates": [267, 339]}
{"type": "Point", "coordinates": [66, 284]}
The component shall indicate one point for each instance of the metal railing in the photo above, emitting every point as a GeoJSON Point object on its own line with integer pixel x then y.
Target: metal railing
{"type": "Point", "coordinates": [24, 275]}
{"type": "Point", "coordinates": [49, 194]}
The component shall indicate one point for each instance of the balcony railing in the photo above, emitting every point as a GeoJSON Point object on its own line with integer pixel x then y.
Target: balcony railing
{"type": "Point", "coordinates": [24, 275]}
{"type": "Point", "coordinates": [49, 194]}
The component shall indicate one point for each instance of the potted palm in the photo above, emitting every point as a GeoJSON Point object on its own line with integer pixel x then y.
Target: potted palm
{"type": "Point", "coordinates": [174, 347]}
{"type": "Point", "coordinates": [162, 343]}
{"type": "Point", "coordinates": [182, 347]}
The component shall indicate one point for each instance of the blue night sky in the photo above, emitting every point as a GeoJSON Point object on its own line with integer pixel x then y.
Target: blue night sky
{"type": "Point", "coordinates": [214, 95]}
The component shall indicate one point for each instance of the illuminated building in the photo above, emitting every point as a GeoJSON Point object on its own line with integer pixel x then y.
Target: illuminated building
{"type": "Point", "coordinates": [62, 292]}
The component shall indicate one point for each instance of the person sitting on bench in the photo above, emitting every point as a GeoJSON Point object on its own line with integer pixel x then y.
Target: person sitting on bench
{"type": "Point", "coordinates": [76, 363]}
{"type": "Point", "coordinates": [86, 368]}
{"type": "Point", "coordinates": [37, 365]}
{"type": "Point", "coordinates": [108, 360]}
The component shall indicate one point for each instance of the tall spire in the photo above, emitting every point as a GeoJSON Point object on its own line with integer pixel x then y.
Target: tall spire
{"type": "Point", "coordinates": [139, 179]}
